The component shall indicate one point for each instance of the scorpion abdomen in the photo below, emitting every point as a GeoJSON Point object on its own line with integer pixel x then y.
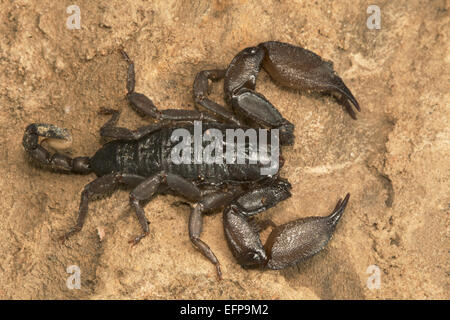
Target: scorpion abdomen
{"type": "Point", "coordinates": [154, 153]}
{"type": "Point", "coordinates": [141, 157]}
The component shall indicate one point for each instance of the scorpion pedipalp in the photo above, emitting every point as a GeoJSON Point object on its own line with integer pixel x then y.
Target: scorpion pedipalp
{"type": "Point", "coordinates": [287, 244]}
{"type": "Point", "coordinates": [290, 243]}
{"type": "Point", "coordinates": [298, 68]}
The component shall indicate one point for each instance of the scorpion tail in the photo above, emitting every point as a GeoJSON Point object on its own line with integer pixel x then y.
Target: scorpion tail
{"type": "Point", "coordinates": [57, 138]}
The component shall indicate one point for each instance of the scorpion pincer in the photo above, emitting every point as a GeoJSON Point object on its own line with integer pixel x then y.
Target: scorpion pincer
{"type": "Point", "coordinates": [141, 159]}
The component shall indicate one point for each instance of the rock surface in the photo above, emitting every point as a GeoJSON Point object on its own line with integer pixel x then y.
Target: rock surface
{"type": "Point", "coordinates": [394, 159]}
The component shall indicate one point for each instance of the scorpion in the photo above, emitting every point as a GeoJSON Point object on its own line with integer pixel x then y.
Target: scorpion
{"type": "Point", "coordinates": [140, 159]}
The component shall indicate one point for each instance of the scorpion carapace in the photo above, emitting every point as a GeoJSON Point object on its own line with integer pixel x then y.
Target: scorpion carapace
{"type": "Point", "coordinates": [142, 159]}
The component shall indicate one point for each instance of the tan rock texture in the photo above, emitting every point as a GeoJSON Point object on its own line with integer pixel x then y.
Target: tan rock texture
{"type": "Point", "coordinates": [394, 160]}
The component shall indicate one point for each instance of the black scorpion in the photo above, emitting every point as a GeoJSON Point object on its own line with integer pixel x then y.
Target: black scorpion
{"type": "Point", "coordinates": [141, 158]}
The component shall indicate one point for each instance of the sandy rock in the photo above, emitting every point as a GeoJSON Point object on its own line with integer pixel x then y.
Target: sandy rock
{"type": "Point", "coordinates": [393, 159]}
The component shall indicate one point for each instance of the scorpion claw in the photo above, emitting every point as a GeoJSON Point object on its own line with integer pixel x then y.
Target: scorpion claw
{"type": "Point", "coordinates": [344, 101]}
{"type": "Point", "coordinates": [334, 217]}
{"type": "Point", "coordinates": [298, 240]}
{"type": "Point", "coordinates": [287, 244]}
{"type": "Point", "coordinates": [347, 94]}
{"type": "Point", "coordinates": [298, 68]}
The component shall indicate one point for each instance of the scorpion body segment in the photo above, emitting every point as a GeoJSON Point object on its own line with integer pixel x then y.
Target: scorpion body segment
{"type": "Point", "coordinates": [152, 153]}
{"type": "Point", "coordinates": [144, 159]}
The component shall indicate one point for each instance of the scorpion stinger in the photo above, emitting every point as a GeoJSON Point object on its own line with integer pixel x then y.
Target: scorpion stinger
{"type": "Point", "coordinates": [57, 137]}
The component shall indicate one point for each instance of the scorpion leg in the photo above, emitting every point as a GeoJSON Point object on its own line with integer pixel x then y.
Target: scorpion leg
{"type": "Point", "coordinates": [287, 245]}
{"type": "Point", "coordinates": [298, 68]}
{"type": "Point", "coordinates": [185, 115]}
{"type": "Point", "coordinates": [145, 106]}
{"type": "Point", "coordinates": [239, 85]}
{"type": "Point", "coordinates": [151, 186]}
{"type": "Point", "coordinates": [207, 204]}
{"type": "Point", "coordinates": [210, 202]}
{"type": "Point", "coordinates": [57, 138]}
{"type": "Point", "coordinates": [202, 89]}
{"type": "Point", "coordinates": [110, 130]}
{"type": "Point", "coordinates": [101, 186]}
